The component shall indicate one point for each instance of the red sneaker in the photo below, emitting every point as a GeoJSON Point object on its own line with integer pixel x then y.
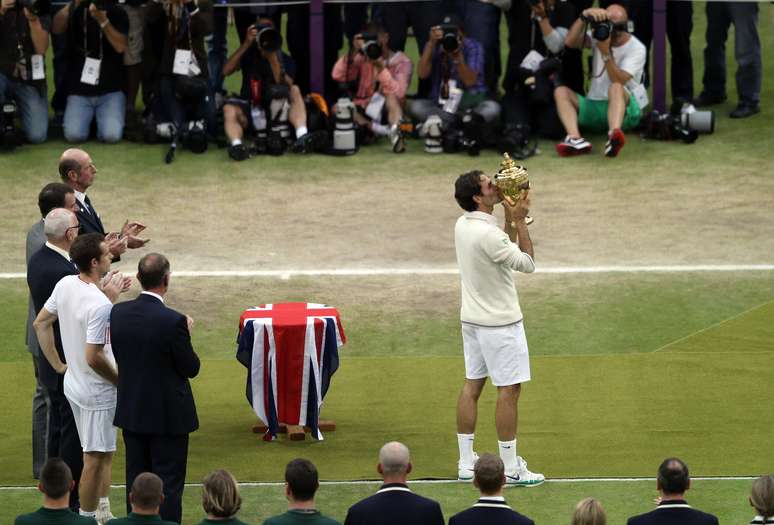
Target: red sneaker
{"type": "Point", "coordinates": [615, 141]}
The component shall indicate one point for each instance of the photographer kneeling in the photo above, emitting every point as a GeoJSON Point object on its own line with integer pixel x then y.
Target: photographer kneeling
{"type": "Point", "coordinates": [458, 94]}
{"type": "Point", "coordinates": [24, 27]}
{"type": "Point", "coordinates": [616, 95]}
{"type": "Point", "coordinates": [378, 77]}
{"type": "Point", "coordinates": [96, 38]}
{"type": "Point", "coordinates": [268, 99]}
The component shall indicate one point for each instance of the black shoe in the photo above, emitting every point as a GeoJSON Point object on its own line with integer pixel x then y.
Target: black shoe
{"type": "Point", "coordinates": [745, 110]}
{"type": "Point", "coordinates": [311, 142]}
{"type": "Point", "coordinates": [705, 99]}
{"type": "Point", "coordinates": [238, 152]}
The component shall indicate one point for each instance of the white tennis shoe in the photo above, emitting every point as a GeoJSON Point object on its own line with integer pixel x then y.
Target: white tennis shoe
{"type": "Point", "coordinates": [465, 472]}
{"type": "Point", "coordinates": [522, 477]}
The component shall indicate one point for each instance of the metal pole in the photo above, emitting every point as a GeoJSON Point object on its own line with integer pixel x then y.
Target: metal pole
{"type": "Point", "coordinates": [658, 80]}
{"type": "Point", "coordinates": [316, 43]}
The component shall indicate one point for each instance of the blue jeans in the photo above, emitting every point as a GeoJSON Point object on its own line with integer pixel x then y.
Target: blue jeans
{"type": "Point", "coordinates": [31, 104]}
{"type": "Point", "coordinates": [109, 110]}
{"type": "Point", "coordinates": [747, 50]}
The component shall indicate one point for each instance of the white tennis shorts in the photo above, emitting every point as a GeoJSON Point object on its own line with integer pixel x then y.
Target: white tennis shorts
{"type": "Point", "coordinates": [95, 428]}
{"type": "Point", "coordinates": [498, 352]}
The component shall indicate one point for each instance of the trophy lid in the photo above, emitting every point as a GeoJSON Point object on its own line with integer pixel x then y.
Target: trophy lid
{"type": "Point", "coordinates": [509, 170]}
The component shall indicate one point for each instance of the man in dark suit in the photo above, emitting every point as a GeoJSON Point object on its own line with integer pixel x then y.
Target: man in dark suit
{"type": "Point", "coordinates": [45, 268]}
{"type": "Point", "coordinates": [394, 502]}
{"type": "Point", "coordinates": [53, 195]}
{"type": "Point", "coordinates": [491, 508]}
{"type": "Point", "coordinates": [78, 171]}
{"type": "Point", "coordinates": [155, 410]}
{"type": "Point", "coordinates": [672, 483]}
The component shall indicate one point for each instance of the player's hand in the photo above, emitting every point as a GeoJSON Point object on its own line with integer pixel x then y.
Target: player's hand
{"type": "Point", "coordinates": [520, 210]}
{"type": "Point", "coordinates": [112, 285]}
{"type": "Point", "coordinates": [190, 322]}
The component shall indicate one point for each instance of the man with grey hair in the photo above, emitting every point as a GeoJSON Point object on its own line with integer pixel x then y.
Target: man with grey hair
{"type": "Point", "coordinates": [394, 502]}
{"type": "Point", "coordinates": [45, 268]}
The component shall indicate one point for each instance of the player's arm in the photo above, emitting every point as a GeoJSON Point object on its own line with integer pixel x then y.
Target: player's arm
{"type": "Point", "coordinates": [95, 358]}
{"type": "Point", "coordinates": [44, 328]}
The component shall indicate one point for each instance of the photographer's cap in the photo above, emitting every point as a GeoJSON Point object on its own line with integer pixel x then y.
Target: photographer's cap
{"type": "Point", "coordinates": [452, 19]}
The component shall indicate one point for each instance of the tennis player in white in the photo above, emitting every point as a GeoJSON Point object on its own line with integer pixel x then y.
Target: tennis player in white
{"type": "Point", "coordinates": [493, 336]}
{"type": "Point", "coordinates": [81, 303]}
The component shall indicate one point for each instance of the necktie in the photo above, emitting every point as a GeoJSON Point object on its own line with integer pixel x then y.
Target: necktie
{"type": "Point", "coordinates": [87, 203]}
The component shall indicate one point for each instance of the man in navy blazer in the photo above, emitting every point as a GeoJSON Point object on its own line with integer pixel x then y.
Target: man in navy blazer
{"type": "Point", "coordinates": [672, 483]}
{"type": "Point", "coordinates": [155, 410]}
{"type": "Point", "coordinates": [491, 508]}
{"type": "Point", "coordinates": [394, 502]}
{"type": "Point", "coordinates": [46, 267]}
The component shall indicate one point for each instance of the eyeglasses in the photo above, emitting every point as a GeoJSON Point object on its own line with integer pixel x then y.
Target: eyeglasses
{"type": "Point", "coordinates": [79, 227]}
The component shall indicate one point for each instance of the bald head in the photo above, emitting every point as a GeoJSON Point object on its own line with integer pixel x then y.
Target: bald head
{"type": "Point", "coordinates": [394, 459]}
{"type": "Point", "coordinates": [152, 271]}
{"type": "Point", "coordinates": [57, 222]}
{"type": "Point", "coordinates": [76, 169]}
{"type": "Point", "coordinates": [617, 14]}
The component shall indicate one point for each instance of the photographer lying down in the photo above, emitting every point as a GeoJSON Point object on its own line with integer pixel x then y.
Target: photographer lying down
{"type": "Point", "coordinates": [269, 101]}
{"type": "Point", "coordinates": [376, 78]}
{"type": "Point", "coordinates": [24, 27]}
{"type": "Point", "coordinates": [616, 96]}
{"type": "Point", "coordinates": [459, 100]}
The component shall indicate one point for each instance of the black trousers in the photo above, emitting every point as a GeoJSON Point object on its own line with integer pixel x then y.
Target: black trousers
{"type": "Point", "coordinates": [167, 457]}
{"type": "Point", "coordinates": [63, 440]}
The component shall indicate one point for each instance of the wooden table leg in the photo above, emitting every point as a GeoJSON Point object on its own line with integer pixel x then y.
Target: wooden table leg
{"type": "Point", "coordinates": [295, 433]}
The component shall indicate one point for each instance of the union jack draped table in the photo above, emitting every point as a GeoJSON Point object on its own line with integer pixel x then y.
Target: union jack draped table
{"type": "Point", "coordinates": [290, 351]}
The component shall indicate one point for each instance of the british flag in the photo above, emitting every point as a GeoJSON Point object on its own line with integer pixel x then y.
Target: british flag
{"type": "Point", "coordinates": [291, 352]}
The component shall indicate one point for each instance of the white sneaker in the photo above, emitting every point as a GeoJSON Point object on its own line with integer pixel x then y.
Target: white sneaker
{"type": "Point", "coordinates": [523, 477]}
{"type": "Point", "coordinates": [465, 472]}
{"type": "Point", "coordinates": [103, 516]}
{"type": "Point", "coordinates": [571, 146]}
{"type": "Point", "coordinates": [397, 140]}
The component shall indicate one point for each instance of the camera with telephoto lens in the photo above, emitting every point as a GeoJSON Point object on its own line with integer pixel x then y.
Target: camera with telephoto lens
{"type": "Point", "coordinates": [450, 41]}
{"type": "Point", "coordinates": [268, 39]}
{"type": "Point", "coordinates": [9, 138]}
{"type": "Point", "coordinates": [36, 7]}
{"type": "Point", "coordinates": [371, 47]}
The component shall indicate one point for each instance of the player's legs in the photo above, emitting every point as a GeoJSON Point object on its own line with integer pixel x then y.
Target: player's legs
{"type": "Point", "coordinates": [507, 411]}
{"type": "Point", "coordinates": [467, 405]}
{"type": "Point", "coordinates": [91, 481]}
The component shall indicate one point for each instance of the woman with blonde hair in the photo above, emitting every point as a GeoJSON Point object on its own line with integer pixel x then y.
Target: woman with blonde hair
{"type": "Point", "coordinates": [220, 498]}
{"type": "Point", "coordinates": [762, 499]}
{"type": "Point", "coordinates": [589, 511]}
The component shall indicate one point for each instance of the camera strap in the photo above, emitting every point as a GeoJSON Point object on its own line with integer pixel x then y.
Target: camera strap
{"type": "Point", "coordinates": [86, 35]}
{"type": "Point", "coordinates": [91, 66]}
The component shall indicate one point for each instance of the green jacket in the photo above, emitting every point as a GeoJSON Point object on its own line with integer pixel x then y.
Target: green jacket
{"type": "Point", "coordinates": [44, 516]}
{"type": "Point", "coordinates": [296, 517]}
{"type": "Point", "coordinates": [230, 521]}
{"type": "Point", "coordinates": [139, 519]}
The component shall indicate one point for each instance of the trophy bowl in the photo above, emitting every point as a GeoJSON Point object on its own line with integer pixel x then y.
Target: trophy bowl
{"type": "Point", "coordinates": [511, 180]}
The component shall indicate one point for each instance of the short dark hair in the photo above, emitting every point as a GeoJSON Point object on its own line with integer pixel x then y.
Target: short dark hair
{"type": "Point", "coordinates": [673, 476]}
{"type": "Point", "coordinates": [147, 491]}
{"type": "Point", "coordinates": [67, 165]}
{"type": "Point", "coordinates": [301, 475]}
{"type": "Point", "coordinates": [467, 186]}
{"type": "Point", "coordinates": [56, 478]}
{"type": "Point", "coordinates": [151, 270]}
{"type": "Point", "coordinates": [373, 26]}
{"type": "Point", "coordinates": [86, 248]}
{"type": "Point", "coordinates": [52, 196]}
{"type": "Point", "coordinates": [489, 472]}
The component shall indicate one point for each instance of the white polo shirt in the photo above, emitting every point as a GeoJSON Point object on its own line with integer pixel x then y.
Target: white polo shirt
{"type": "Point", "coordinates": [630, 57]}
{"type": "Point", "coordinates": [487, 258]}
{"type": "Point", "coordinates": [84, 314]}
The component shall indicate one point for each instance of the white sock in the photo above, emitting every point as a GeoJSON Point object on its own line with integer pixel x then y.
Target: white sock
{"type": "Point", "coordinates": [236, 142]}
{"type": "Point", "coordinates": [380, 129]}
{"type": "Point", "coordinates": [301, 131]}
{"type": "Point", "coordinates": [87, 513]}
{"type": "Point", "coordinates": [465, 442]}
{"type": "Point", "coordinates": [104, 503]}
{"type": "Point", "coordinates": [508, 454]}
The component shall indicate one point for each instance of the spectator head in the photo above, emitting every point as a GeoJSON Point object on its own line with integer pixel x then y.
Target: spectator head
{"type": "Point", "coordinates": [147, 494]}
{"type": "Point", "coordinates": [489, 474]}
{"type": "Point", "coordinates": [56, 480]}
{"type": "Point", "coordinates": [89, 252]}
{"type": "Point", "coordinates": [220, 495]}
{"type": "Point", "coordinates": [153, 272]}
{"type": "Point", "coordinates": [56, 195]}
{"type": "Point", "coordinates": [394, 462]}
{"type": "Point", "coordinates": [762, 496]}
{"type": "Point", "coordinates": [673, 479]}
{"type": "Point", "coordinates": [301, 480]}
{"type": "Point", "coordinates": [77, 169]}
{"type": "Point", "coordinates": [466, 188]}
{"type": "Point", "coordinates": [616, 13]}
{"type": "Point", "coordinates": [589, 511]}
{"type": "Point", "coordinates": [61, 226]}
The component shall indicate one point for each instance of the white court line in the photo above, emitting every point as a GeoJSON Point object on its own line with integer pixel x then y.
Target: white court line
{"type": "Point", "coordinates": [376, 272]}
{"type": "Point", "coordinates": [428, 482]}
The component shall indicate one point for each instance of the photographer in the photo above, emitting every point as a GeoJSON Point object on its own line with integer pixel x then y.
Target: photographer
{"type": "Point", "coordinates": [538, 63]}
{"type": "Point", "coordinates": [379, 78]}
{"type": "Point", "coordinates": [24, 28]}
{"type": "Point", "coordinates": [616, 95]}
{"type": "Point", "coordinates": [267, 92]}
{"type": "Point", "coordinates": [96, 38]}
{"type": "Point", "coordinates": [181, 86]}
{"type": "Point", "coordinates": [455, 66]}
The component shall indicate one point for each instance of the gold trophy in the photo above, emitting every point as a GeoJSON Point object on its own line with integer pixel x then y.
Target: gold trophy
{"type": "Point", "coordinates": [511, 180]}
